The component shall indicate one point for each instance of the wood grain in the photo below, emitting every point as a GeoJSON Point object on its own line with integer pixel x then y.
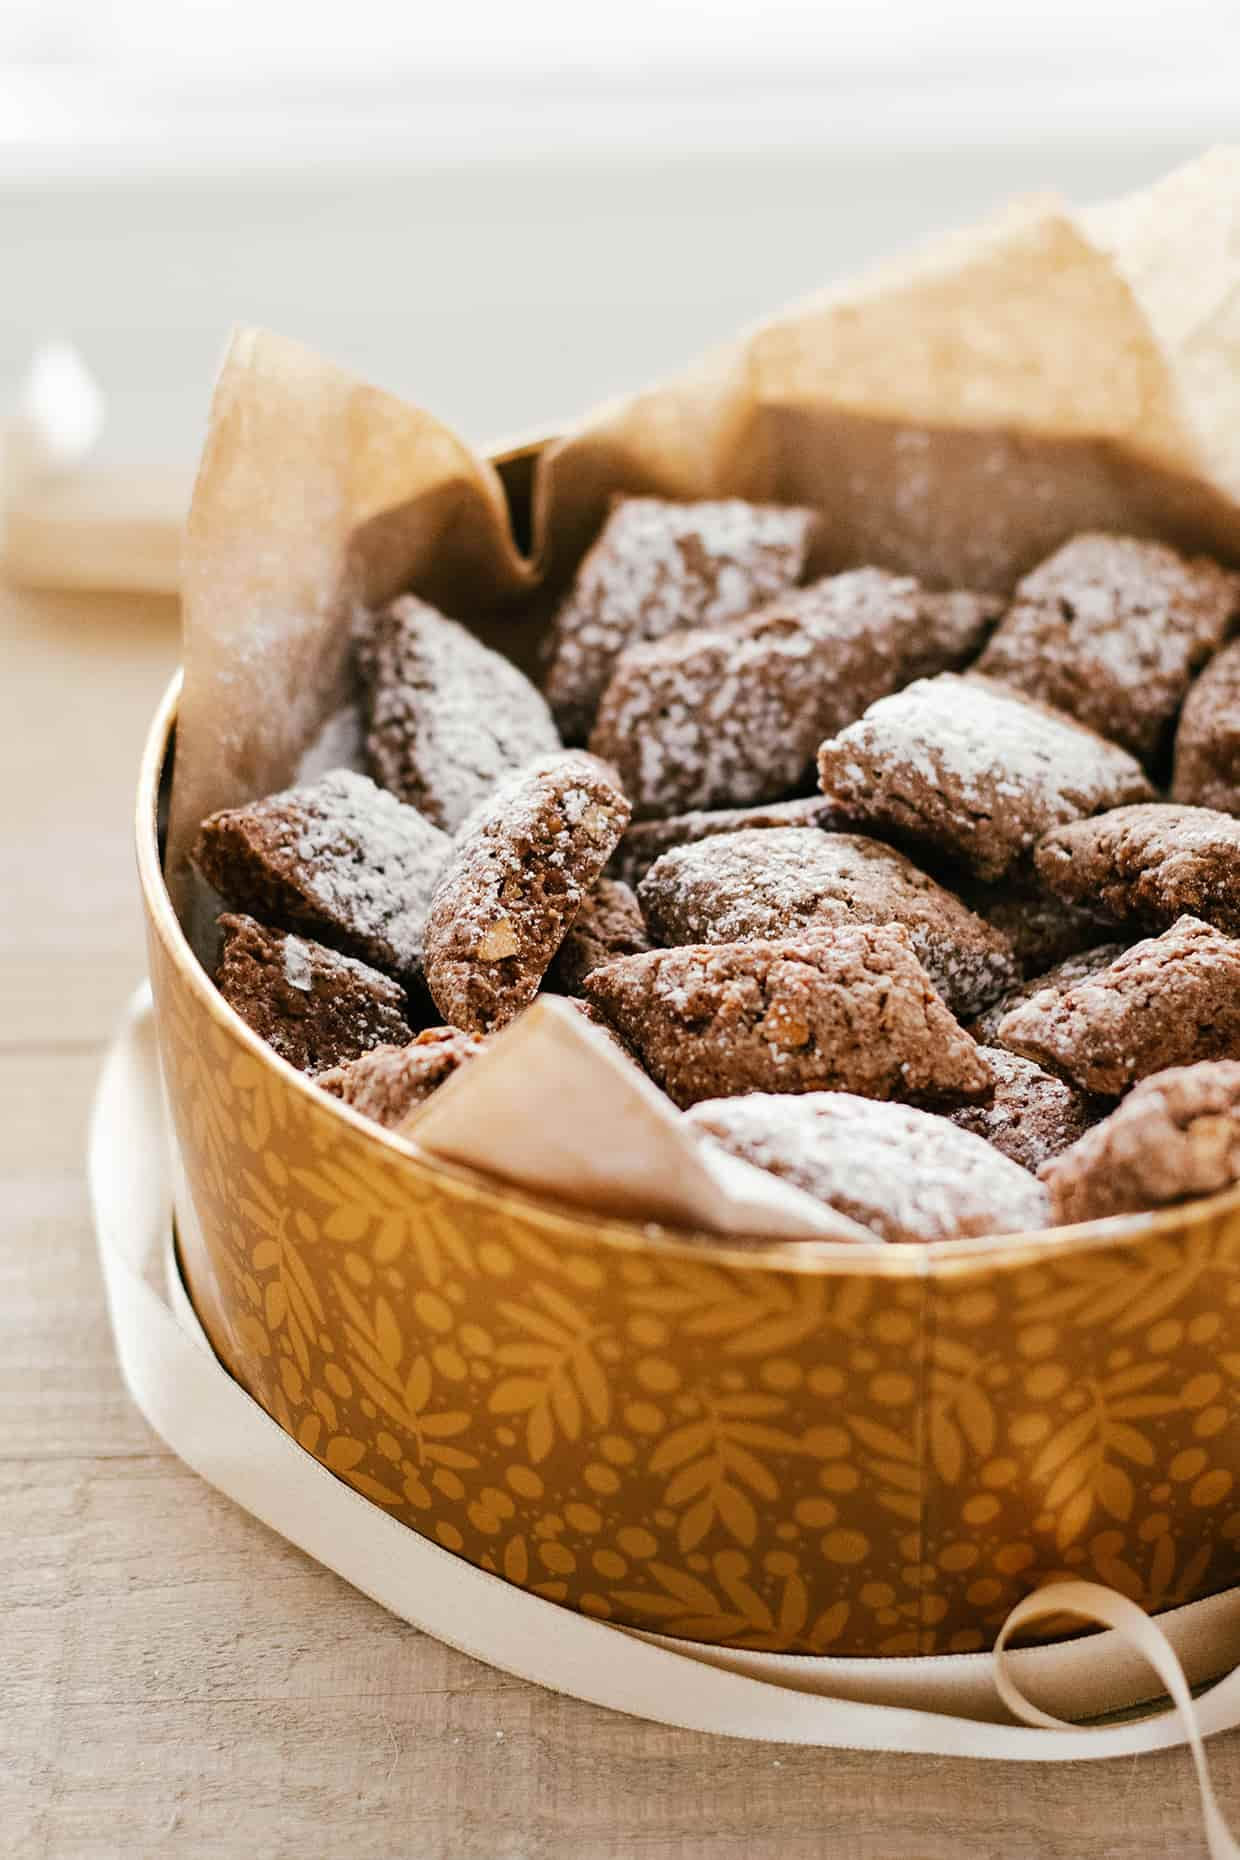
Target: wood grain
{"type": "Point", "coordinates": [179, 1684]}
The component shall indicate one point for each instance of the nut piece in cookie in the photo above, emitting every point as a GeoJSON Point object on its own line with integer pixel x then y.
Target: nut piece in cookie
{"type": "Point", "coordinates": [609, 924]}
{"type": "Point", "coordinates": [1207, 742]}
{"type": "Point", "coordinates": [445, 717]}
{"type": "Point", "coordinates": [785, 883]}
{"type": "Point", "coordinates": [1041, 928]}
{"type": "Point", "coordinates": [1073, 969]}
{"type": "Point", "coordinates": [1169, 1001]}
{"type": "Point", "coordinates": [647, 840]}
{"type": "Point", "coordinates": [313, 1006]}
{"type": "Point", "coordinates": [905, 1174]}
{"type": "Point", "coordinates": [659, 566]}
{"type": "Point", "coordinates": [1112, 629]}
{"type": "Point", "coordinates": [1174, 1138]}
{"type": "Point", "coordinates": [975, 770]}
{"type": "Point", "coordinates": [337, 858]}
{"type": "Point", "coordinates": [389, 1081]}
{"type": "Point", "coordinates": [1031, 1117]}
{"type": "Point", "coordinates": [1149, 865]}
{"type": "Point", "coordinates": [846, 1009]}
{"type": "Point", "coordinates": [727, 716]}
{"type": "Point", "coordinates": [509, 894]}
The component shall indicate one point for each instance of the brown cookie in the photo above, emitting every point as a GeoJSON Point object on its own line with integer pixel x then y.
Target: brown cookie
{"type": "Point", "coordinates": [1170, 1001]}
{"type": "Point", "coordinates": [848, 1009]}
{"type": "Point", "coordinates": [609, 924]}
{"type": "Point", "coordinates": [521, 866]}
{"type": "Point", "coordinates": [1149, 865]}
{"type": "Point", "coordinates": [777, 883]}
{"type": "Point", "coordinates": [1175, 1137]}
{"type": "Point", "coordinates": [1032, 1116]}
{"type": "Point", "coordinates": [386, 1083]}
{"type": "Point", "coordinates": [1207, 742]}
{"type": "Point", "coordinates": [1041, 928]}
{"type": "Point", "coordinates": [906, 1175]}
{"type": "Point", "coordinates": [1111, 630]}
{"type": "Point", "coordinates": [1073, 969]}
{"type": "Point", "coordinates": [974, 770]}
{"type": "Point", "coordinates": [338, 859]}
{"type": "Point", "coordinates": [313, 1006]}
{"type": "Point", "coordinates": [728, 716]}
{"type": "Point", "coordinates": [445, 717]}
{"type": "Point", "coordinates": [659, 566]}
{"type": "Point", "coordinates": [646, 840]}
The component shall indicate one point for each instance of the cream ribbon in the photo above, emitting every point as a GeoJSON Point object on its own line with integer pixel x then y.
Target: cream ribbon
{"type": "Point", "coordinates": [962, 1705]}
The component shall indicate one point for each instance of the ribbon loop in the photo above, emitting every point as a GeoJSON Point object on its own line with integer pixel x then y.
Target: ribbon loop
{"type": "Point", "coordinates": [1103, 1607]}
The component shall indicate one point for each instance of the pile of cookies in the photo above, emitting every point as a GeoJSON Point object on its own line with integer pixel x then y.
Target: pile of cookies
{"type": "Point", "coordinates": [924, 901]}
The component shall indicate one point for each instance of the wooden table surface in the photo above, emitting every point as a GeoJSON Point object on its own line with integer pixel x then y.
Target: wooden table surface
{"type": "Point", "coordinates": [175, 1680]}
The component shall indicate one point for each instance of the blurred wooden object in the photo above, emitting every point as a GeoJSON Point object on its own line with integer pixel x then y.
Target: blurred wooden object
{"type": "Point", "coordinates": [99, 531]}
{"type": "Point", "coordinates": [180, 1684]}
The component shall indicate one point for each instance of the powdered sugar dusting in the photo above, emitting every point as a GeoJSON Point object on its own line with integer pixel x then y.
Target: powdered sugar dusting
{"type": "Point", "coordinates": [773, 882]}
{"type": "Point", "coordinates": [727, 716]}
{"type": "Point", "coordinates": [338, 858]}
{"type": "Point", "coordinates": [446, 717]}
{"type": "Point", "coordinates": [905, 1173]}
{"type": "Point", "coordinates": [951, 752]}
{"type": "Point", "coordinates": [974, 735]}
{"type": "Point", "coordinates": [645, 842]}
{"type": "Point", "coordinates": [659, 566]}
{"type": "Point", "coordinates": [401, 855]}
{"type": "Point", "coordinates": [1111, 628]}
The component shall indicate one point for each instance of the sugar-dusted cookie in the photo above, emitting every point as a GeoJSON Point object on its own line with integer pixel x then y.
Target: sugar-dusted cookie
{"type": "Point", "coordinates": [659, 566]}
{"type": "Point", "coordinates": [1112, 629]}
{"type": "Point", "coordinates": [646, 840]}
{"type": "Point", "coordinates": [337, 858]}
{"type": "Point", "coordinates": [445, 717]}
{"type": "Point", "coordinates": [727, 716]}
{"type": "Point", "coordinates": [313, 1006]}
{"type": "Point", "coordinates": [1207, 741]}
{"type": "Point", "coordinates": [1169, 1001]}
{"type": "Point", "coordinates": [847, 1009]}
{"type": "Point", "coordinates": [609, 924]}
{"type": "Point", "coordinates": [389, 1081]}
{"type": "Point", "coordinates": [1149, 865]}
{"type": "Point", "coordinates": [1175, 1137]}
{"type": "Point", "coordinates": [1072, 969]}
{"type": "Point", "coordinates": [775, 883]}
{"type": "Point", "coordinates": [1032, 1115]}
{"type": "Point", "coordinates": [521, 866]}
{"type": "Point", "coordinates": [974, 770]}
{"type": "Point", "coordinates": [906, 1175]}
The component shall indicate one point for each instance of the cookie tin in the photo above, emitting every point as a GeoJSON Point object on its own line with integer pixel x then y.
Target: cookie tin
{"type": "Point", "coordinates": [797, 1447]}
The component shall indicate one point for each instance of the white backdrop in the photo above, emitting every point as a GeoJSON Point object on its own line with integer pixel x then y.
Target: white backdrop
{"type": "Point", "coordinates": [509, 211]}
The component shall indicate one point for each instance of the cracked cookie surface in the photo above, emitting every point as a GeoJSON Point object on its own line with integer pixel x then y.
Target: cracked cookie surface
{"type": "Point", "coordinates": [519, 871]}
{"type": "Point", "coordinates": [849, 1009]}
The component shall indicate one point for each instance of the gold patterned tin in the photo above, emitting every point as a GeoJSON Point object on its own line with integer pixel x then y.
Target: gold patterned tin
{"type": "Point", "coordinates": [804, 1448]}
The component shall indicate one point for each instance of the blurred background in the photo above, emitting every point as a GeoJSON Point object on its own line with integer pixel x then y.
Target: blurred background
{"type": "Point", "coordinates": [508, 209]}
